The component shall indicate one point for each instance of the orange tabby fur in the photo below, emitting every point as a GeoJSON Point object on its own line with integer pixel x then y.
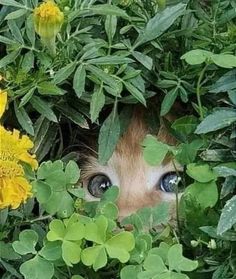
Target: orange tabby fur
{"type": "Point", "coordinates": [128, 170]}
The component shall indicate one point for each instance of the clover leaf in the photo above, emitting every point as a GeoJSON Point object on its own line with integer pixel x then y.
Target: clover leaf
{"type": "Point", "coordinates": [70, 233]}
{"type": "Point", "coordinates": [117, 246]}
{"type": "Point", "coordinates": [37, 268]}
{"type": "Point", "coordinates": [120, 245]}
{"type": "Point", "coordinates": [26, 243]}
{"type": "Point", "coordinates": [178, 262]}
{"type": "Point", "coordinates": [163, 262]}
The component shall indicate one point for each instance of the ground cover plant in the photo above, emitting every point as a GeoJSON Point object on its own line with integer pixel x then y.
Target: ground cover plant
{"type": "Point", "coordinates": [70, 66]}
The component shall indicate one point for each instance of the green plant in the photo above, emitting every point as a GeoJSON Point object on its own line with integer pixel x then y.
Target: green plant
{"type": "Point", "coordinates": [110, 55]}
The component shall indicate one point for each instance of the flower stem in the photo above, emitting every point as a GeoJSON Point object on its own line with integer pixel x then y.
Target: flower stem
{"type": "Point", "coordinates": [199, 92]}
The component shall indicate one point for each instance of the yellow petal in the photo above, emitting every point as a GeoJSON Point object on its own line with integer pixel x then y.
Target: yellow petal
{"type": "Point", "coordinates": [3, 102]}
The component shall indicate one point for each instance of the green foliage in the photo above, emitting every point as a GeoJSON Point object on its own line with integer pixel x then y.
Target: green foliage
{"type": "Point", "coordinates": [111, 55]}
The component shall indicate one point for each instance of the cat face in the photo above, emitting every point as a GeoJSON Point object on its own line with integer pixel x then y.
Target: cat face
{"type": "Point", "coordinates": [140, 184]}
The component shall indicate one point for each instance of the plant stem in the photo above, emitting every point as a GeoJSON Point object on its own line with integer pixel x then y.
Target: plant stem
{"type": "Point", "coordinates": [199, 91]}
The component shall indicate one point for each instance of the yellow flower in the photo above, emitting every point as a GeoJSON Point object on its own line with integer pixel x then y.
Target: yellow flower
{"type": "Point", "coordinates": [3, 102]}
{"type": "Point", "coordinates": [14, 187]}
{"type": "Point", "coordinates": [48, 19]}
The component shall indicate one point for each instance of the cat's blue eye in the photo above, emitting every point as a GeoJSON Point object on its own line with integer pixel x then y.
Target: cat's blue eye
{"type": "Point", "coordinates": [98, 184]}
{"type": "Point", "coordinates": [169, 182]}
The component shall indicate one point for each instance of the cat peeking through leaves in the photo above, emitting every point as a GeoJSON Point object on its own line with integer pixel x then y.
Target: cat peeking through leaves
{"type": "Point", "coordinates": [141, 185]}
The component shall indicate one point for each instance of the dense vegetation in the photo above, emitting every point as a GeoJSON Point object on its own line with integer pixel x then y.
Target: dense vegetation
{"type": "Point", "coordinates": [108, 56]}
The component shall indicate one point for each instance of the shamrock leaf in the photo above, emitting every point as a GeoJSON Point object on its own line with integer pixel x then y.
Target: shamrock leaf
{"type": "Point", "coordinates": [51, 251]}
{"type": "Point", "coordinates": [37, 268]}
{"type": "Point", "coordinates": [72, 172]}
{"type": "Point", "coordinates": [71, 252]}
{"type": "Point", "coordinates": [95, 256]}
{"type": "Point", "coordinates": [178, 262]}
{"type": "Point", "coordinates": [57, 230]}
{"type": "Point", "coordinates": [26, 243]}
{"type": "Point", "coordinates": [116, 247]}
{"type": "Point", "coordinates": [201, 173]}
{"type": "Point", "coordinates": [119, 245]}
{"type": "Point", "coordinates": [70, 233]}
{"type": "Point", "coordinates": [96, 231]}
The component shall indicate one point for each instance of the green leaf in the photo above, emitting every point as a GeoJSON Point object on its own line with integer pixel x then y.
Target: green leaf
{"type": "Point", "coordinates": [197, 56]}
{"type": "Point", "coordinates": [187, 152]}
{"type": "Point", "coordinates": [15, 31]}
{"type": "Point", "coordinates": [129, 271]}
{"type": "Point", "coordinates": [224, 171]}
{"type": "Point", "coordinates": [224, 60]}
{"type": "Point", "coordinates": [48, 88]}
{"type": "Point", "coordinates": [75, 232]}
{"type": "Point", "coordinates": [51, 251]}
{"type": "Point", "coordinates": [12, 3]}
{"type": "Point", "coordinates": [45, 134]}
{"type": "Point", "coordinates": [7, 252]}
{"type": "Point", "coordinates": [79, 80]}
{"type": "Point", "coordinates": [37, 268]}
{"type": "Point", "coordinates": [160, 23]}
{"type": "Point", "coordinates": [72, 172]}
{"type": "Point", "coordinates": [109, 210]}
{"type": "Point", "coordinates": [154, 263]}
{"type": "Point", "coordinates": [108, 137]}
{"type": "Point", "coordinates": [26, 98]}
{"type": "Point", "coordinates": [169, 100]}
{"type": "Point", "coordinates": [108, 9]}
{"type": "Point", "coordinates": [206, 194]}
{"type": "Point", "coordinates": [42, 191]}
{"type": "Point", "coordinates": [111, 195]}
{"type": "Point", "coordinates": [9, 58]}
{"type": "Point", "coordinates": [217, 120]}
{"type": "Point", "coordinates": [57, 230]}
{"type": "Point", "coordinates": [154, 151]}
{"type": "Point", "coordinates": [71, 252]}
{"type": "Point", "coordinates": [135, 92]}
{"type": "Point", "coordinates": [97, 103]}
{"type": "Point", "coordinates": [43, 108]}
{"type": "Point", "coordinates": [72, 114]}
{"type": "Point", "coordinates": [119, 245]}
{"type": "Point", "coordinates": [7, 41]}
{"type": "Point", "coordinates": [110, 59]}
{"type": "Point", "coordinates": [202, 173]}
{"type": "Point", "coordinates": [16, 14]}
{"type": "Point", "coordinates": [178, 262]}
{"type": "Point", "coordinates": [30, 29]}
{"type": "Point", "coordinates": [110, 26]}
{"type": "Point", "coordinates": [26, 243]}
{"type": "Point", "coordinates": [64, 73]}
{"type": "Point", "coordinates": [96, 231]}
{"type": "Point", "coordinates": [105, 77]}
{"type": "Point", "coordinates": [185, 125]}
{"type": "Point", "coordinates": [95, 256]}
{"type": "Point", "coordinates": [144, 59]}
{"type": "Point", "coordinates": [28, 61]}
{"type": "Point", "coordinates": [48, 168]}
{"type": "Point", "coordinates": [23, 118]}
{"type": "Point", "coordinates": [228, 216]}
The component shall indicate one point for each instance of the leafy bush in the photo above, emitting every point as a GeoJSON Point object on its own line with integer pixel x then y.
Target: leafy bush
{"type": "Point", "coordinates": [110, 55]}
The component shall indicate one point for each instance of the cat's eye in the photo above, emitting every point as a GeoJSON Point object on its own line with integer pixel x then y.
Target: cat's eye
{"type": "Point", "coordinates": [169, 182]}
{"type": "Point", "coordinates": [98, 184]}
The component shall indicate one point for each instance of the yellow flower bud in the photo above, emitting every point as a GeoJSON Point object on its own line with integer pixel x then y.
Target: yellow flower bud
{"type": "Point", "coordinates": [48, 19]}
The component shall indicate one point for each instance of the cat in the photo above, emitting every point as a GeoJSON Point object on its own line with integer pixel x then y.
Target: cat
{"type": "Point", "coordinates": [141, 185]}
